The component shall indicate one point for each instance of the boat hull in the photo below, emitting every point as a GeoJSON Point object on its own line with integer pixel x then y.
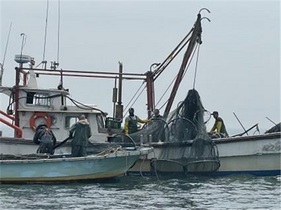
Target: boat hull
{"type": "Point", "coordinates": [256, 155]}
{"type": "Point", "coordinates": [66, 169]}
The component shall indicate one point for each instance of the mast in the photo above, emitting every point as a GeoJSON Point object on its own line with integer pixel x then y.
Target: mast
{"type": "Point", "coordinates": [150, 93]}
{"type": "Point", "coordinates": [16, 99]}
{"type": "Point", "coordinates": [195, 37]}
{"type": "Point", "coordinates": [119, 106]}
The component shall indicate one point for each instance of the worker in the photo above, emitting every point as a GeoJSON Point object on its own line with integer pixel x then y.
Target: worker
{"type": "Point", "coordinates": [45, 138]}
{"type": "Point", "coordinates": [80, 133]}
{"type": "Point", "coordinates": [158, 120]}
{"type": "Point", "coordinates": [218, 128]}
{"type": "Point", "coordinates": [131, 122]}
{"type": "Point", "coordinates": [156, 114]}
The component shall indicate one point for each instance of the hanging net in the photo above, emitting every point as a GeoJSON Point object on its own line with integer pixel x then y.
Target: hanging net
{"type": "Point", "coordinates": [185, 144]}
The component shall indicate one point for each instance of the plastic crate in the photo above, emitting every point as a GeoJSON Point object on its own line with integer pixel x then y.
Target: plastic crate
{"type": "Point", "coordinates": [114, 123]}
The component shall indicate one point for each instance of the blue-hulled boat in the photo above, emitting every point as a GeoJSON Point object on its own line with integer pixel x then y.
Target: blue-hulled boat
{"type": "Point", "coordinates": [35, 168]}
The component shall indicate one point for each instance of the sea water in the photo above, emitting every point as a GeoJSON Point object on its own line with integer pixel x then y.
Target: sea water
{"type": "Point", "coordinates": [138, 192]}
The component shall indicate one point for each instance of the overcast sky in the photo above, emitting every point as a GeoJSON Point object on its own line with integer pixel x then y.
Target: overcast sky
{"type": "Point", "coordinates": [239, 62]}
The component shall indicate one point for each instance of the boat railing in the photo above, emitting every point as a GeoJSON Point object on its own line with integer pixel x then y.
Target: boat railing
{"type": "Point", "coordinates": [17, 129]}
{"type": "Point", "coordinates": [246, 131]}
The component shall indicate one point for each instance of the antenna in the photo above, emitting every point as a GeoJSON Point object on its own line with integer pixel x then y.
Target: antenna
{"type": "Point", "coordinates": [22, 43]}
{"type": "Point", "coordinates": [55, 64]}
{"type": "Point", "coordinates": [58, 32]}
{"type": "Point", "coordinates": [45, 36]}
{"type": "Point", "coordinates": [4, 57]}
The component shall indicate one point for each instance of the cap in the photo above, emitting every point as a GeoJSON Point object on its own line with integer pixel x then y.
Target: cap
{"type": "Point", "coordinates": [156, 111]}
{"type": "Point", "coordinates": [214, 112]}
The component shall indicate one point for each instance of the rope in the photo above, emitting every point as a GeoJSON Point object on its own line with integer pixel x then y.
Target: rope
{"type": "Point", "coordinates": [125, 169]}
{"type": "Point", "coordinates": [134, 96]}
{"type": "Point", "coordinates": [196, 67]}
{"type": "Point", "coordinates": [108, 151]}
{"type": "Point", "coordinates": [165, 94]}
{"type": "Point", "coordinates": [185, 70]}
{"type": "Point", "coordinates": [135, 99]}
{"type": "Point", "coordinates": [155, 170]}
{"type": "Point", "coordinates": [76, 103]}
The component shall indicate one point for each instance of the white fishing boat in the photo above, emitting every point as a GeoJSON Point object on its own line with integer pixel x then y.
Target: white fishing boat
{"type": "Point", "coordinates": [254, 154]}
{"type": "Point", "coordinates": [179, 139]}
{"type": "Point", "coordinates": [64, 168]}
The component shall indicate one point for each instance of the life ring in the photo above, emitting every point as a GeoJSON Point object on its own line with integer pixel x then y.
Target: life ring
{"type": "Point", "coordinates": [37, 115]}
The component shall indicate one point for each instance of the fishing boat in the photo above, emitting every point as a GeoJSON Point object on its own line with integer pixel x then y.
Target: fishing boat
{"type": "Point", "coordinates": [183, 146]}
{"type": "Point", "coordinates": [180, 140]}
{"type": "Point", "coordinates": [35, 168]}
{"type": "Point", "coordinates": [254, 154]}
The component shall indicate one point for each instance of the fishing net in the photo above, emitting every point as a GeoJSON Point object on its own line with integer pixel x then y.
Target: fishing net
{"type": "Point", "coordinates": [185, 144]}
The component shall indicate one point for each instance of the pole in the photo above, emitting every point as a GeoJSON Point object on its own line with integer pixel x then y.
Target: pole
{"type": "Point", "coordinates": [271, 121]}
{"type": "Point", "coordinates": [241, 124]}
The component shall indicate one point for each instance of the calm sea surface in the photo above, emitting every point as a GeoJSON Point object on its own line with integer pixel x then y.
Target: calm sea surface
{"type": "Point", "coordinates": [137, 192]}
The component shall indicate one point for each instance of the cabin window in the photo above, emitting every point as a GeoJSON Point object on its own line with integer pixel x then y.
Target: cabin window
{"type": "Point", "coordinates": [70, 120]}
{"type": "Point", "coordinates": [38, 99]}
{"type": "Point", "coordinates": [30, 97]}
{"type": "Point", "coordinates": [100, 121]}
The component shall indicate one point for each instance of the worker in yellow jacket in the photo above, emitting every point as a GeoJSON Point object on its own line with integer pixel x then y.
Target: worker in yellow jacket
{"type": "Point", "coordinates": [131, 122]}
{"type": "Point", "coordinates": [219, 126]}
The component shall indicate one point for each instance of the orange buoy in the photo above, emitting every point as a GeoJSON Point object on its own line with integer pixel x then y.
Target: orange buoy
{"type": "Point", "coordinates": [37, 115]}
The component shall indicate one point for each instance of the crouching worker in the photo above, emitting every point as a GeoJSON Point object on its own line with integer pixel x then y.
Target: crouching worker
{"type": "Point", "coordinates": [80, 132]}
{"type": "Point", "coordinates": [218, 130]}
{"type": "Point", "coordinates": [45, 138]}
